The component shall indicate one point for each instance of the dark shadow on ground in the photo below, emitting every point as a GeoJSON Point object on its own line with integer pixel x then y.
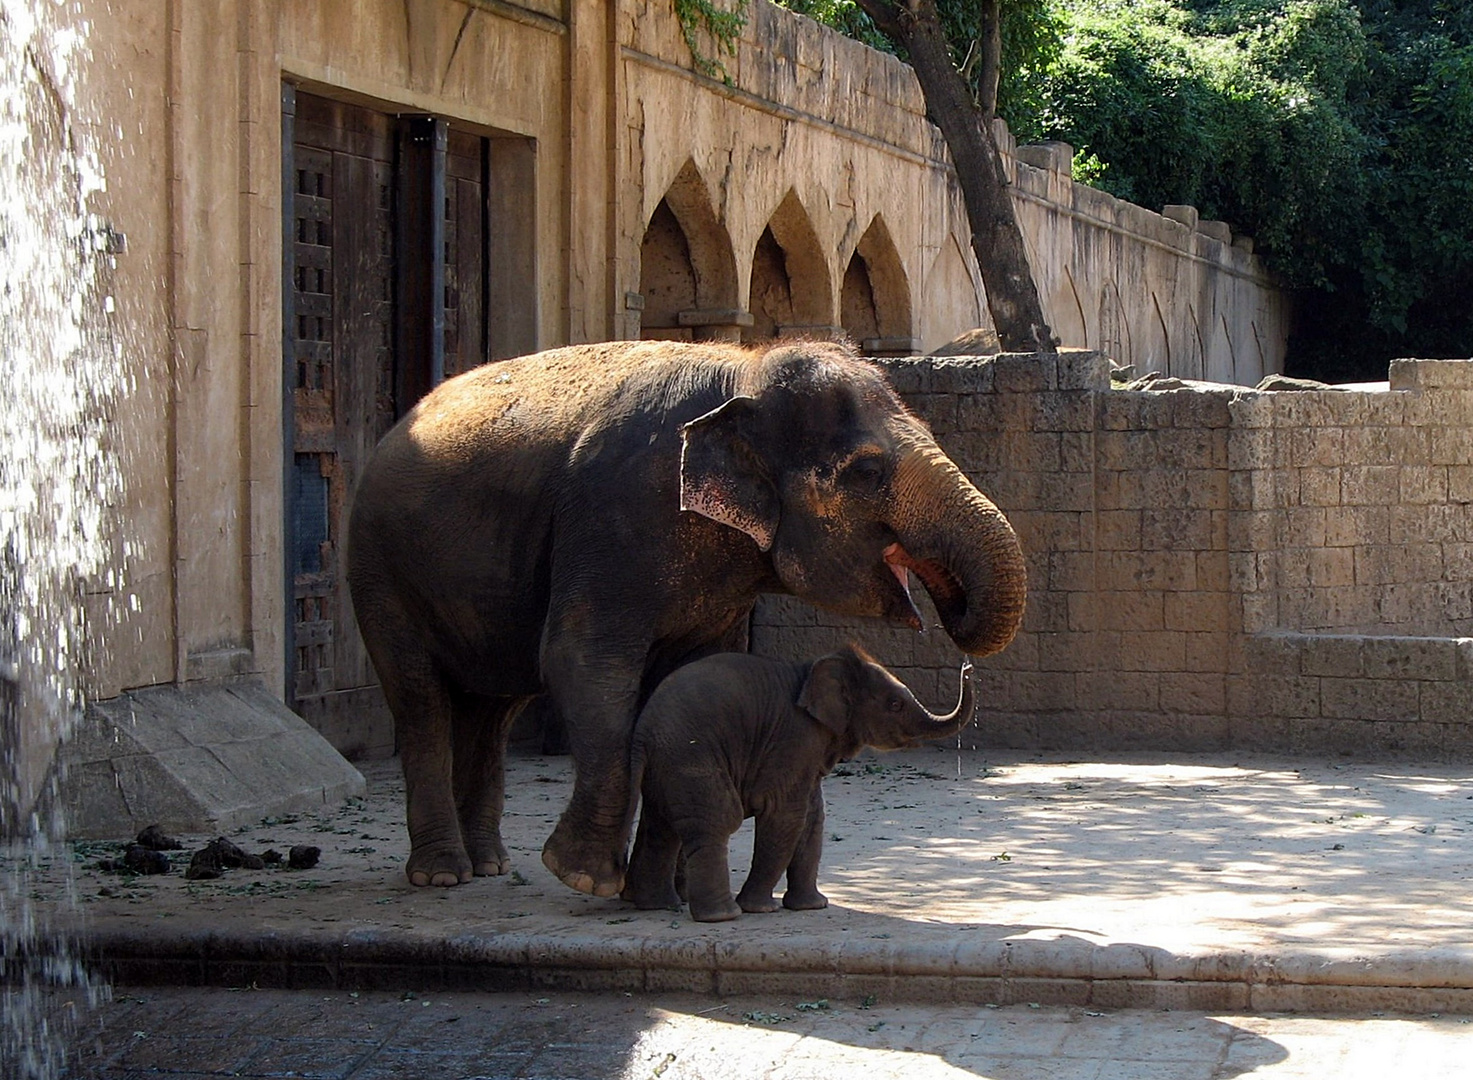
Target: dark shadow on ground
{"type": "Point", "coordinates": [373, 1036]}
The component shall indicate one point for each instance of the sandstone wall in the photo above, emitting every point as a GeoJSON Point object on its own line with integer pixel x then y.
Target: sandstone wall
{"type": "Point", "coordinates": [1210, 568]}
{"type": "Point", "coordinates": [844, 127]}
{"type": "Point", "coordinates": [816, 135]}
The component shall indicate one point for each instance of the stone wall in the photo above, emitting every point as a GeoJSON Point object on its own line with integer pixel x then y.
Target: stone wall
{"type": "Point", "coordinates": [816, 139]}
{"type": "Point", "coordinates": [841, 130]}
{"type": "Point", "coordinates": [1210, 567]}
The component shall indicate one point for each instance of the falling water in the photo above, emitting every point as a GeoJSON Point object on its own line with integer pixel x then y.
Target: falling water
{"type": "Point", "coordinates": [60, 375]}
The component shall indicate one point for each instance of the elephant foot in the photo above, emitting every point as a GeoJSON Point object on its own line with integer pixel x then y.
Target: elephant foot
{"type": "Point", "coordinates": [722, 911]}
{"type": "Point", "coordinates": [438, 866]}
{"type": "Point", "coordinates": [489, 859]}
{"type": "Point", "coordinates": [804, 900]}
{"type": "Point", "coordinates": [755, 903]}
{"type": "Point", "coordinates": [585, 867]}
{"type": "Point", "coordinates": [652, 899]}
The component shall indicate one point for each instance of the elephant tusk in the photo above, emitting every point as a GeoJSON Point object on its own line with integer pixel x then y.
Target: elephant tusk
{"type": "Point", "coordinates": [899, 560]}
{"type": "Point", "coordinates": [946, 591]}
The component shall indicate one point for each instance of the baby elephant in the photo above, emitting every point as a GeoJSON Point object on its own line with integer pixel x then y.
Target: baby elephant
{"type": "Point", "coordinates": [734, 736]}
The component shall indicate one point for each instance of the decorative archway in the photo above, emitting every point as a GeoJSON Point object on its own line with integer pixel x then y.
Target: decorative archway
{"type": "Point", "coordinates": [791, 290]}
{"type": "Point", "coordinates": [1114, 339]}
{"type": "Point", "coordinates": [874, 300]}
{"type": "Point", "coordinates": [687, 272]}
{"type": "Point", "coordinates": [954, 299]}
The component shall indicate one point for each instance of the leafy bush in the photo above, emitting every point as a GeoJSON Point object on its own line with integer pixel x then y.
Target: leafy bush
{"type": "Point", "coordinates": [1338, 134]}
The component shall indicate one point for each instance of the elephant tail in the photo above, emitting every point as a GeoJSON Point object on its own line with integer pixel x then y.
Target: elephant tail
{"type": "Point", "coordinates": [637, 759]}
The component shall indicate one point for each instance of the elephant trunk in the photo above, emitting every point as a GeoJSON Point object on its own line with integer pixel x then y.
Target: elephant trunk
{"type": "Point", "coordinates": [938, 727]}
{"type": "Point", "coordinates": [956, 540]}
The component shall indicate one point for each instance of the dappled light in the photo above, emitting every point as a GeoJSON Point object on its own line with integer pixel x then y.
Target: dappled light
{"type": "Point", "coordinates": [1181, 853]}
{"type": "Point", "coordinates": [1206, 855]}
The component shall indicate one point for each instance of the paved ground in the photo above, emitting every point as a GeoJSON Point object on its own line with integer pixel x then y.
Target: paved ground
{"type": "Point", "coordinates": [368, 1036]}
{"type": "Point", "coordinates": [1218, 883]}
{"type": "Point", "coordinates": [1229, 890]}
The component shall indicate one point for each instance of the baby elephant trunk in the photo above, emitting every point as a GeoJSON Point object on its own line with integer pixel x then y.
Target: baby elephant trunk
{"type": "Point", "coordinates": [938, 727]}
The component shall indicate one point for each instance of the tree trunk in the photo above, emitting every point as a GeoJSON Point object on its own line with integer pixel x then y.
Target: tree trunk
{"type": "Point", "coordinates": [1011, 295]}
{"type": "Point", "coordinates": [989, 42]}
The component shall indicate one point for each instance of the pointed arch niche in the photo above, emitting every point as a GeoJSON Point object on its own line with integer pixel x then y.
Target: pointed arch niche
{"type": "Point", "coordinates": [687, 272]}
{"type": "Point", "coordinates": [953, 300]}
{"type": "Point", "coordinates": [791, 290]}
{"type": "Point", "coordinates": [874, 300]}
{"type": "Point", "coordinates": [1114, 329]}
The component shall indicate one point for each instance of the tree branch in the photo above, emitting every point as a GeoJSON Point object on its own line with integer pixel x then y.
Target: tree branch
{"type": "Point", "coordinates": [885, 16]}
{"type": "Point", "coordinates": [989, 32]}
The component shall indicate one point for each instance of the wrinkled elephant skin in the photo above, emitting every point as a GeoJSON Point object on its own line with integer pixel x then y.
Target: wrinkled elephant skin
{"type": "Point", "coordinates": [585, 520]}
{"type": "Point", "coordinates": [733, 736]}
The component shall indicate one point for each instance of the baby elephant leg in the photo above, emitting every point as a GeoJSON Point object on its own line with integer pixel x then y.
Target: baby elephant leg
{"type": "Point", "coordinates": [708, 879]}
{"type": "Point", "coordinates": [650, 882]}
{"type": "Point", "coordinates": [776, 838]}
{"type": "Point", "coordinates": [705, 832]}
{"type": "Point", "coordinates": [803, 894]}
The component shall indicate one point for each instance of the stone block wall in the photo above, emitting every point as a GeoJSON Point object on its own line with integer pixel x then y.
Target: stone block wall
{"type": "Point", "coordinates": [1209, 567]}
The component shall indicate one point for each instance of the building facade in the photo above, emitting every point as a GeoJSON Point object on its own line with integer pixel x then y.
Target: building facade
{"type": "Point", "coordinates": [322, 207]}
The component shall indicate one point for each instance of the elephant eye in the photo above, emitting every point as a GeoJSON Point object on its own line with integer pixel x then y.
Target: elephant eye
{"type": "Point", "coordinates": [894, 704]}
{"type": "Point", "coordinates": [864, 474]}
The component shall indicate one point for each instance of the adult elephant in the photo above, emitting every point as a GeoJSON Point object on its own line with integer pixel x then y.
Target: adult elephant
{"type": "Point", "coordinates": [584, 520]}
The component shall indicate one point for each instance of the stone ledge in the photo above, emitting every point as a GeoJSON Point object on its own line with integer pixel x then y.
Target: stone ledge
{"type": "Point", "coordinates": [195, 758]}
{"type": "Point", "coordinates": [1374, 656]}
{"type": "Point", "coordinates": [986, 971]}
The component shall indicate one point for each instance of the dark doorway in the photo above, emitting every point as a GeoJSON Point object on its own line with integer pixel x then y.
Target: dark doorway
{"type": "Point", "coordinates": [389, 227]}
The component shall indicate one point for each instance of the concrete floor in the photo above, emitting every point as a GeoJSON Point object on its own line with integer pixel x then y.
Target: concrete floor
{"type": "Point", "coordinates": [373, 1036]}
{"type": "Point", "coordinates": [1003, 915]}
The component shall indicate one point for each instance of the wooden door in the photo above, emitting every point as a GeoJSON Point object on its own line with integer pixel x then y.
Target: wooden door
{"type": "Point", "coordinates": [386, 239]}
{"type": "Point", "coordinates": [465, 246]}
{"type": "Point", "coordinates": [342, 400]}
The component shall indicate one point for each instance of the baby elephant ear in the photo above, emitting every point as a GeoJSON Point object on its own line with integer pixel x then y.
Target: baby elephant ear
{"type": "Point", "coordinates": [825, 694]}
{"type": "Point", "coordinates": [721, 476]}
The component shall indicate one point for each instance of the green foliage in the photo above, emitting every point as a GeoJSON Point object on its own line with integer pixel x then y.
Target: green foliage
{"type": "Point", "coordinates": [1089, 169]}
{"type": "Point", "coordinates": [844, 16]}
{"type": "Point", "coordinates": [1030, 38]}
{"type": "Point", "coordinates": [723, 24]}
{"type": "Point", "coordinates": [1338, 133]}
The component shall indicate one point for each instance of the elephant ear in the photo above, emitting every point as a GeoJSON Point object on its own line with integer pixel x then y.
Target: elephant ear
{"type": "Point", "coordinates": [825, 693]}
{"type": "Point", "coordinates": [721, 476]}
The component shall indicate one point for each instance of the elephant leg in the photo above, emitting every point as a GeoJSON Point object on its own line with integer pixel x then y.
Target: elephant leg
{"type": "Point", "coordinates": [597, 692]}
{"type": "Point", "coordinates": [708, 879]}
{"type": "Point", "coordinates": [421, 703]}
{"type": "Point", "coordinates": [650, 882]}
{"type": "Point", "coordinates": [802, 893]}
{"type": "Point", "coordinates": [705, 823]}
{"type": "Point", "coordinates": [682, 886]}
{"type": "Point", "coordinates": [481, 726]}
{"type": "Point", "coordinates": [777, 833]}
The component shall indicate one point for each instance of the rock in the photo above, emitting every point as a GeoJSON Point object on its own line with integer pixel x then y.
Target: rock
{"type": "Point", "coordinates": [204, 865]}
{"type": "Point", "coordinates": [1154, 380]}
{"type": "Point", "coordinates": [218, 856]}
{"type": "Point", "coordinates": [233, 857]}
{"type": "Point", "coordinates": [154, 839]}
{"type": "Point", "coordinates": [145, 860]}
{"type": "Point", "coordinates": [979, 342]}
{"type": "Point", "coordinates": [1289, 382]}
